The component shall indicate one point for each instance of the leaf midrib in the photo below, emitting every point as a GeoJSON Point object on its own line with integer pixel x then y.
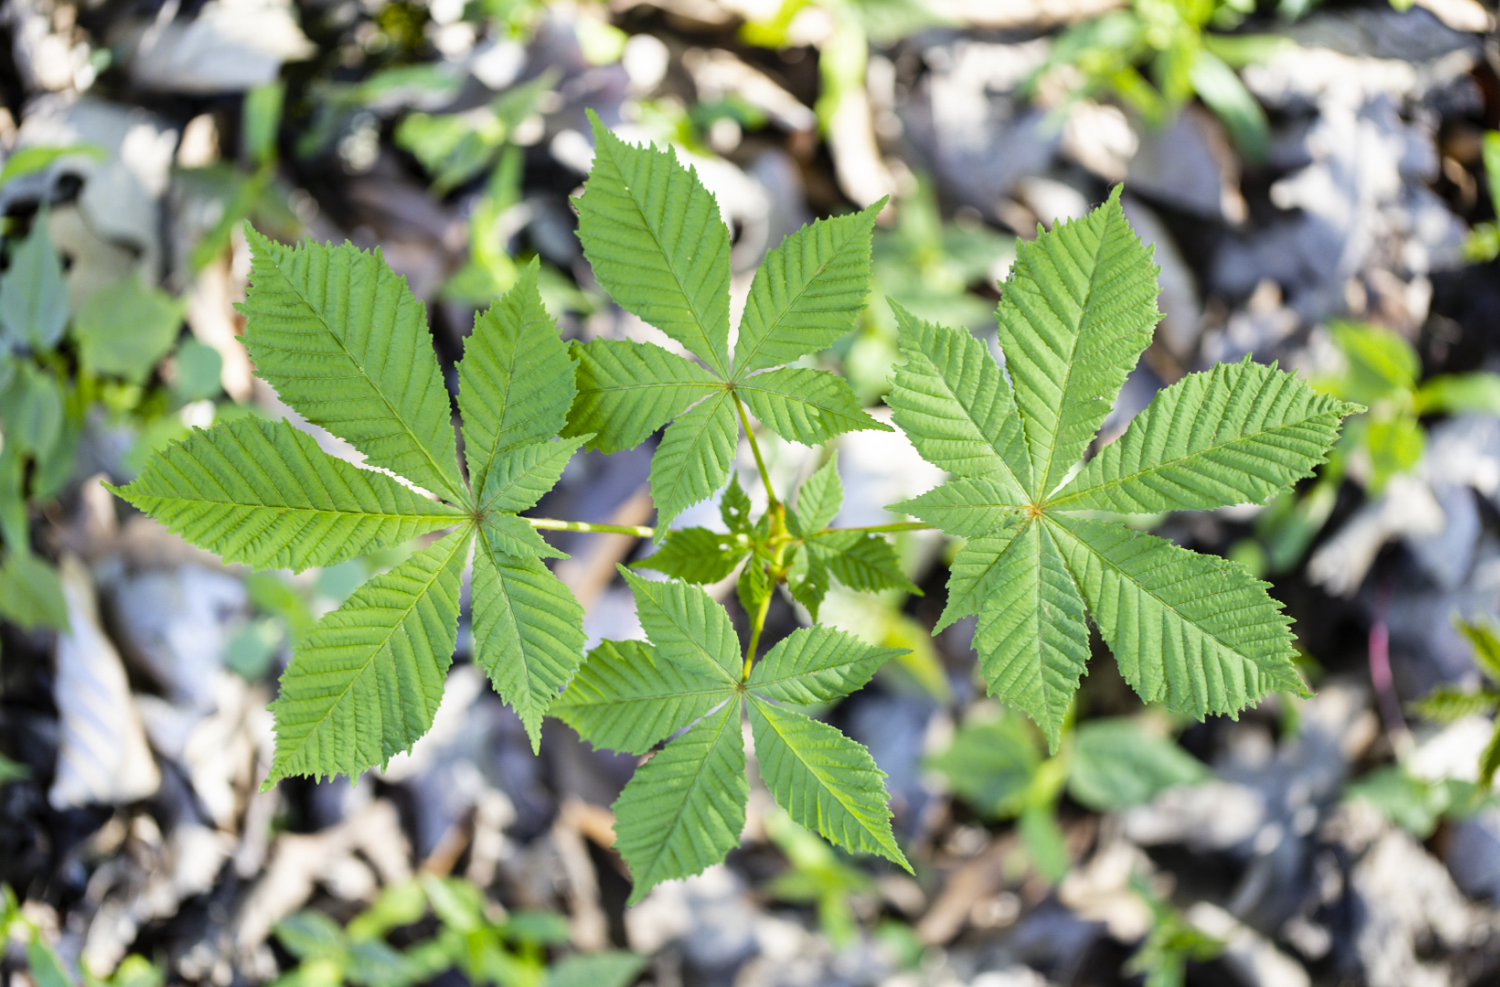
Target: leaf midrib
{"type": "Point", "coordinates": [275, 261]}
{"type": "Point", "coordinates": [720, 360]}
{"type": "Point", "coordinates": [771, 325]}
{"type": "Point", "coordinates": [836, 791]}
{"type": "Point", "coordinates": [730, 715]}
{"type": "Point", "coordinates": [690, 637]}
{"type": "Point", "coordinates": [1159, 467]}
{"type": "Point", "coordinates": [416, 598]}
{"type": "Point", "coordinates": [1122, 574]}
{"type": "Point", "coordinates": [1069, 363]}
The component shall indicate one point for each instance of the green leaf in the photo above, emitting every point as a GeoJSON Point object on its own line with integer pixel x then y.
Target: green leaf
{"type": "Point", "coordinates": [862, 562]}
{"type": "Point", "coordinates": [1412, 803]}
{"type": "Point", "coordinates": [1195, 632]}
{"type": "Point", "coordinates": [1457, 393]}
{"type": "Point", "coordinates": [824, 780]}
{"type": "Point", "coordinates": [1484, 636]}
{"type": "Point", "coordinates": [33, 295]}
{"type": "Point", "coordinates": [310, 934]}
{"type": "Point", "coordinates": [991, 766]}
{"type": "Point", "coordinates": [954, 403]}
{"type": "Point", "coordinates": [628, 390]}
{"type": "Point", "coordinates": [33, 158]}
{"type": "Point", "coordinates": [807, 580]}
{"type": "Point", "coordinates": [197, 369]}
{"type": "Point", "coordinates": [612, 968]}
{"type": "Point", "coordinates": [808, 292]}
{"type": "Point", "coordinates": [125, 328]}
{"type": "Point", "coordinates": [1046, 846]}
{"type": "Point", "coordinates": [12, 771]}
{"type": "Point", "coordinates": [345, 342]}
{"type": "Point", "coordinates": [367, 679]}
{"type": "Point", "coordinates": [819, 498]}
{"type": "Point", "coordinates": [817, 665]}
{"type": "Point", "coordinates": [1446, 704]}
{"type": "Point", "coordinates": [754, 585]}
{"type": "Point", "coordinates": [684, 809]}
{"type": "Point", "coordinates": [1032, 639]}
{"type": "Point", "coordinates": [974, 574]}
{"type": "Point", "coordinates": [694, 458]}
{"type": "Point", "coordinates": [965, 507]}
{"type": "Point", "coordinates": [656, 242]}
{"type": "Point", "coordinates": [695, 555]}
{"type": "Point", "coordinates": [45, 968]}
{"type": "Point", "coordinates": [528, 632]}
{"type": "Point", "coordinates": [521, 475]}
{"type": "Point", "coordinates": [31, 594]}
{"type": "Point", "coordinates": [1075, 313]}
{"type": "Point", "coordinates": [686, 626]}
{"type": "Point", "coordinates": [1235, 435]}
{"type": "Point", "coordinates": [516, 380]}
{"type": "Point", "coordinates": [1223, 92]}
{"type": "Point", "coordinates": [1489, 760]}
{"type": "Point", "coordinates": [514, 537]}
{"type": "Point", "coordinates": [624, 699]}
{"type": "Point", "coordinates": [1116, 765]}
{"type": "Point", "coordinates": [804, 405]}
{"type": "Point", "coordinates": [1382, 363]}
{"type": "Point", "coordinates": [734, 507]}
{"type": "Point", "coordinates": [31, 410]}
{"type": "Point", "coordinates": [264, 494]}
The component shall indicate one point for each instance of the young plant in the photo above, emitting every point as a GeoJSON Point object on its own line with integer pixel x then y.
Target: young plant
{"type": "Point", "coordinates": [1446, 703]}
{"type": "Point", "coordinates": [343, 340]}
{"type": "Point", "coordinates": [1108, 765]}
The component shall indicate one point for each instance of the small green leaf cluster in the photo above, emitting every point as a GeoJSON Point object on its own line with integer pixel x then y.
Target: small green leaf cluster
{"type": "Point", "coordinates": [1186, 58]}
{"type": "Point", "coordinates": [344, 342]}
{"type": "Point", "coordinates": [785, 546]}
{"type": "Point", "coordinates": [995, 764]}
{"type": "Point", "coordinates": [470, 938]}
{"type": "Point", "coordinates": [1446, 703]}
{"type": "Point", "coordinates": [1171, 943]}
{"type": "Point", "coordinates": [47, 968]}
{"type": "Point", "coordinates": [1483, 243]}
{"type": "Point", "coordinates": [54, 364]}
{"type": "Point", "coordinates": [1382, 371]}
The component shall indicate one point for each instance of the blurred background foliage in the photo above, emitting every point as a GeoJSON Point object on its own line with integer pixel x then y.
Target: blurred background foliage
{"type": "Point", "coordinates": [1321, 184]}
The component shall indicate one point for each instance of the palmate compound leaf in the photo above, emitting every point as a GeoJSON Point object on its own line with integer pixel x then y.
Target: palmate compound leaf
{"type": "Point", "coordinates": [657, 243]}
{"type": "Point", "coordinates": [685, 807]}
{"type": "Point", "coordinates": [365, 682]}
{"type": "Point", "coordinates": [263, 493]}
{"type": "Point", "coordinates": [1194, 632]}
